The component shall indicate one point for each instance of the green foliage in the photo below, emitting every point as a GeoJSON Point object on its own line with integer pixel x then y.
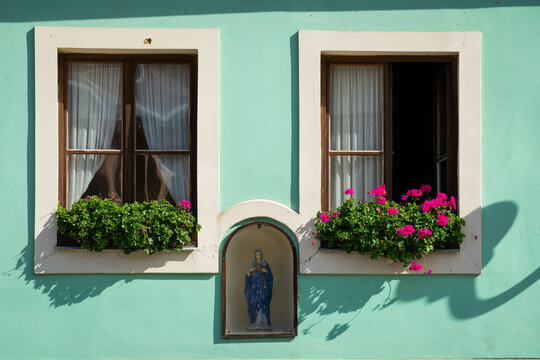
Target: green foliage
{"type": "Point", "coordinates": [366, 227]}
{"type": "Point", "coordinates": [97, 223]}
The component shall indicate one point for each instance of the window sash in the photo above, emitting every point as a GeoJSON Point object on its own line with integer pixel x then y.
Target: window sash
{"type": "Point", "coordinates": [353, 148]}
{"type": "Point", "coordinates": [127, 149]}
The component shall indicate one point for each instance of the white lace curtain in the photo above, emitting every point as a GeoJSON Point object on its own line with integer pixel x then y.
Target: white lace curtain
{"type": "Point", "coordinates": [356, 123]}
{"type": "Point", "coordinates": [162, 104]}
{"type": "Point", "coordinates": [94, 107]}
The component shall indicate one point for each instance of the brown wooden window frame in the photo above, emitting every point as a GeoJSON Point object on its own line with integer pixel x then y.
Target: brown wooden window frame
{"type": "Point", "coordinates": [128, 133]}
{"type": "Point", "coordinates": [386, 62]}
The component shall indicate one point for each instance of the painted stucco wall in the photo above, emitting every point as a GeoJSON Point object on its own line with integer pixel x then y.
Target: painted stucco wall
{"type": "Point", "coordinates": [495, 314]}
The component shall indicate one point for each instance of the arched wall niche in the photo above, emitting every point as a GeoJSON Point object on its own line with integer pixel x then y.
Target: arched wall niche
{"type": "Point", "coordinates": [238, 257]}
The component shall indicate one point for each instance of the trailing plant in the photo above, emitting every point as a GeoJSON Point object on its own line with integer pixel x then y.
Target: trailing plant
{"type": "Point", "coordinates": [96, 223]}
{"type": "Point", "coordinates": [401, 232]}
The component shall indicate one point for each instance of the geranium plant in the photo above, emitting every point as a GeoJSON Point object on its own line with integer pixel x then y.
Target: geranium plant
{"type": "Point", "coordinates": [98, 223]}
{"type": "Point", "coordinates": [402, 232]}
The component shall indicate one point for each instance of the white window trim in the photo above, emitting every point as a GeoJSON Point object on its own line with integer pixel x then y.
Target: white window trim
{"type": "Point", "coordinates": [49, 42]}
{"type": "Point", "coordinates": [467, 46]}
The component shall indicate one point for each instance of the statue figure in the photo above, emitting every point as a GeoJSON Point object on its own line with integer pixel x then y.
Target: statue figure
{"type": "Point", "coordinates": [258, 292]}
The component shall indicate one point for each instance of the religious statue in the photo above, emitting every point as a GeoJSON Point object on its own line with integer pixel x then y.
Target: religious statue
{"type": "Point", "coordinates": [258, 292]}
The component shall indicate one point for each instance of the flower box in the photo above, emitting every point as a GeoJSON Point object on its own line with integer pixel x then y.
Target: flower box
{"type": "Point", "coordinates": [97, 224]}
{"type": "Point", "coordinates": [401, 232]}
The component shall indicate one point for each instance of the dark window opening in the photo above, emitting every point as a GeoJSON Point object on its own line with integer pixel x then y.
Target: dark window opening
{"type": "Point", "coordinates": [420, 112]}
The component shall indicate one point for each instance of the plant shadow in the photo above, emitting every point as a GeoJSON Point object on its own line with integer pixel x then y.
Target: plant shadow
{"type": "Point", "coordinates": [322, 296]}
{"type": "Point", "coordinates": [63, 290]}
{"type": "Point", "coordinates": [461, 290]}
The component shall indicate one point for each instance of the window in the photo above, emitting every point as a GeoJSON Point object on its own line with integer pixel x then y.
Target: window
{"type": "Point", "coordinates": [127, 128]}
{"type": "Point", "coordinates": [387, 120]}
{"type": "Point", "coordinates": [114, 74]}
{"type": "Point", "coordinates": [387, 55]}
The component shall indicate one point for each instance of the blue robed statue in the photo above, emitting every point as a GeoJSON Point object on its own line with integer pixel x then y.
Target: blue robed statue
{"type": "Point", "coordinates": [258, 292]}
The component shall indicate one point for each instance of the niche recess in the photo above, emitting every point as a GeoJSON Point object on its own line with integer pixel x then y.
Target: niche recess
{"type": "Point", "coordinates": [238, 255]}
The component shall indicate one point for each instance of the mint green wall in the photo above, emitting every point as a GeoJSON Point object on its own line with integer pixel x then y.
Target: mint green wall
{"type": "Point", "coordinates": [495, 314]}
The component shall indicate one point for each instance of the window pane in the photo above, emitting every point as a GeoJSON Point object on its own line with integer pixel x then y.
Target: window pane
{"type": "Point", "coordinates": [93, 174]}
{"type": "Point", "coordinates": [94, 106]}
{"type": "Point", "coordinates": [356, 107]}
{"type": "Point", "coordinates": [162, 106]}
{"type": "Point", "coordinates": [360, 173]}
{"type": "Point", "coordinates": [162, 177]}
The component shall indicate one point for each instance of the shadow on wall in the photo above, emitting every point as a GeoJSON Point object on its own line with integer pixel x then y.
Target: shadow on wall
{"type": "Point", "coordinates": [338, 294]}
{"type": "Point", "coordinates": [23, 11]}
{"type": "Point", "coordinates": [322, 296]}
{"type": "Point", "coordinates": [295, 129]}
{"type": "Point", "coordinates": [64, 290]}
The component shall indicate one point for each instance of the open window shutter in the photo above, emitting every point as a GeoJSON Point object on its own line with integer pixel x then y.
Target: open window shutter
{"type": "Point", "coordinates": [446, 128]}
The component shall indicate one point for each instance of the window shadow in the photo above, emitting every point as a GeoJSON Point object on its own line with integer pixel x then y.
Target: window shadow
{"type": "Point", "coordinates": [295, 130]}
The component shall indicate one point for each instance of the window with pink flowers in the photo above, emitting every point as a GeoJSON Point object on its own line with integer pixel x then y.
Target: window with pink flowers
{"type": "Point", "coordinates": [388, 120]}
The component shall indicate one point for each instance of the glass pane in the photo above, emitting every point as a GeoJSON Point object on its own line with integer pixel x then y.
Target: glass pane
{"type": "Point", "coordinates": [94, 106]}
{"type": "Point", "coordinates": [162, 177]}
{"type": "Point", "coordinates": [360, 173]}
{"type": "Point", "coordinates": [92, 174]}
{"type": "Point", "coordinates": [162, 106]}
{"type": "Point", "coordinates": [356, 107]}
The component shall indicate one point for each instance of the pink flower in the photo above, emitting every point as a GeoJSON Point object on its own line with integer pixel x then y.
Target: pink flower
{"type": "Point", "coordinates": [423, 232]}
{"type": "Point", "coordinates": [442, 220]}
{"type": "Point", "coordinates": [414, 266]}
{"type": "Point", "coordinates": [378, 191]}
{"type": "Point", "coordinates": [408, 230]}
{"type": "Point", "coordinates": [325, 217]}
{"type": "Point", "coordinates": [405, 230]}
{"type": "Point", "coordinates": [381, 200]}
{"type": "Point", "coordinates": [412, 193]}
{"type": "Point", "coordinates": [314, 242]}
{"type": "Point", "coordinates": [186, 204]}
{"type": "Point", "coordinates": [335, 215]}
{"type": "Point", "coordinates": [429, 271]}
{"type": "Point", "coordinates": [452, 203]}
{"type": "Point", "coordinates": [441, 196]}
{"type": "Point", "coordinates": [431, 204]}
{"type": "Point", "coordinates": [392, 211]}
{"type": "Point", "coordinates": [349, 192]}
{"type": "Point", "coordinates": [425, 188]}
